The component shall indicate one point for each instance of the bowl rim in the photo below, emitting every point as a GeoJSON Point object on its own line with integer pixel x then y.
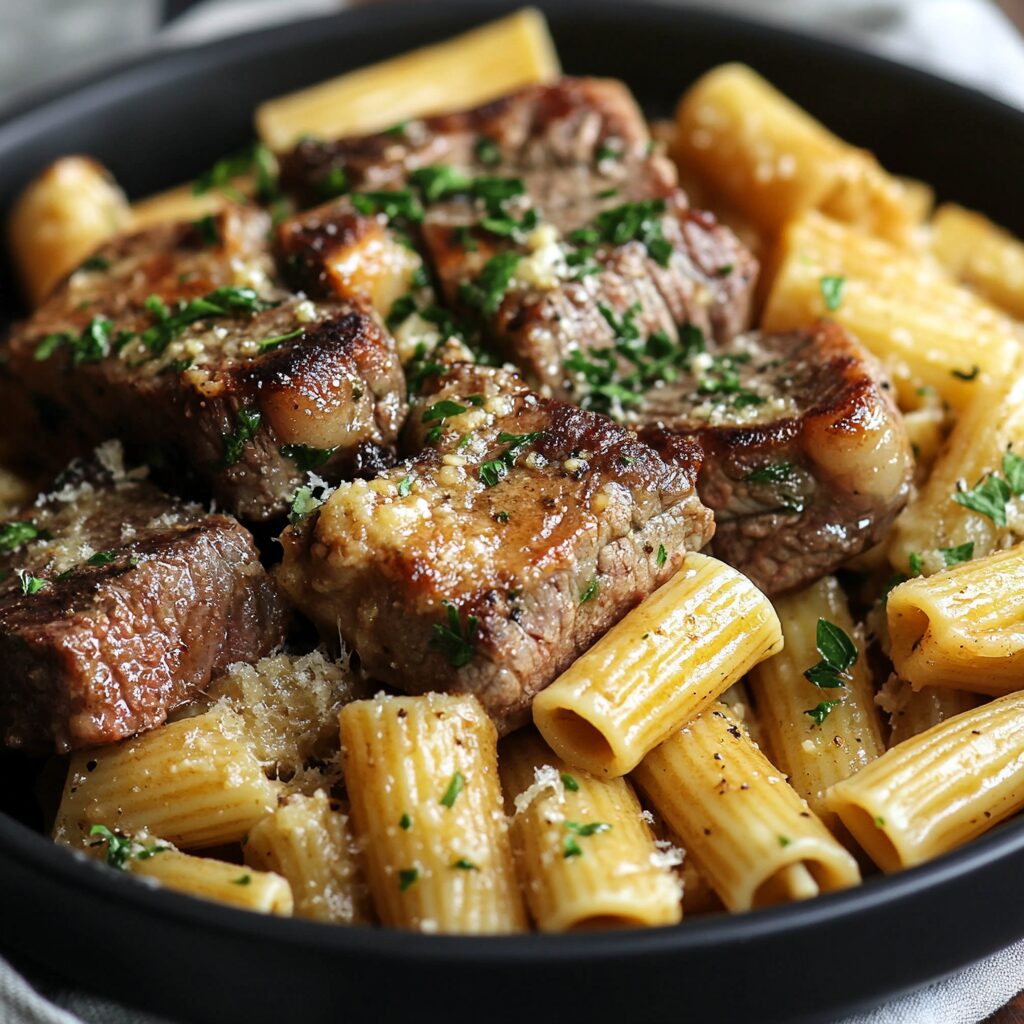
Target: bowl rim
{"type": "Point", "coordinates": [37, 854]}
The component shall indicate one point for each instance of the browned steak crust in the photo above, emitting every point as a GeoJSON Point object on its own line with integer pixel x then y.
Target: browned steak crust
{"type": "Point", "coordinates": [178, 340]}
{"type": "Point", "coordinates": [118, 603]}
{"type": "Point", "coordinates": [518, 534]}
{"type": "Point", "coordinates": [807, 461]}
{"type": "Point", "coordinates": [538, 209]}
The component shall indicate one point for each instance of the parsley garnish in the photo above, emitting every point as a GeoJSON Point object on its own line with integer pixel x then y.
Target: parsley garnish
{"type": "Point", "coordinates": [401, 309]}
{"type": "Point", "coordinates": [589, 592]}
{"type": "Point", "coordinates": [30, 584]}
{"type": "Point", "coordinates": [404, 486]}
{"type": "Point", "coordinates": [838, 653]}
{"type": "Point", "coordinates": [442, 410]}
{"type": "Point", "coordinates": [487, 151]}
{"type": "Point", "coordinates": [570, 848]}
{"type": "Point", "coordinates": [305, 456]}
{"type": "Point", "coordinates": [207, 229]}
{"type": "Point", "coordinates": [303, 502]}
{"type": "Point", "coordinates": [570, 783]}
{"type": "Point", "coordinates": [662, 555]}
{"type": "Point", "coordinates": [988, 497]}
{"type": "Point", "coordinates": [247, 423]}
{"type": "Point", "coordinates": [95, 263]}
{"type": "Point", "coordinates": [405, 822]}
{"type": "Point", "coordinates": [333, 184]}
{"type": "Point", "coordinates": [120, 848]}
{"type": "Point", "coordinates": [784, 841]}
{"type": "Point", "coordinates": [464, 864]}
{"type": "Point", "coordinates": [822, 710]}
{"type": "Point", "coordinates": [832, 291]}
{"type": "Point", "coordinates": [101, 558]}
{"type": "Point", "coordinates": [454, 641]}
{"type": "Point", "coordinates": [13, 535]}
{"type": "Point", "coordinates": [782, 475]}
{"type": "Point", "coordinates": [269, 344]}
{"type": "Point", "coordinates": [1013, 470]}
{"type": "Point", "coordinates": [493, 471]}
{"type": "Point", "coordinates": [639, 221]}
{"type": "Point", "coordinates": [396, 129]}
{"type": "Point", "coordinates": [256, 159]}
{"type": "Point", "coordinates": [393, 204]}
{"type": "Point", "coordinates": [487, 291]}
{"type": "Point", "coordinates": [406, 877]}
{"type": "Point", "coordinates": [916, 564]}
{"type": "Point", "coordinates": [955, 555]}
{"type": "Point", "coordinates": [242, 880]}
{"type": "Point", "coordinates": [92, 345]}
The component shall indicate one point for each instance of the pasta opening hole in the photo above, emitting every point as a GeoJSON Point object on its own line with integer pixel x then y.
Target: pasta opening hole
{"type": "Point", "coordinates": [864, 827]}
{"type": "Point", "coordinates": [791, 882]}
{"type": "Point", "coordinates": [580, 741]}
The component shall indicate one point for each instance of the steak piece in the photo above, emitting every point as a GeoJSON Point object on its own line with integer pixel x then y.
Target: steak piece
{"type": "Point", "coordinates": [537, 210]}
{"type": "Point", "coordinates": [118, 603]}
{"type": "Point", "coordinates": [807, 461]}
{"type": "Point", "coordinates": [521, 531]}
{"type": "Point", "coordinates": [178, 339]}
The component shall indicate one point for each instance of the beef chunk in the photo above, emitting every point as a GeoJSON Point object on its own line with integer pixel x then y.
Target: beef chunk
{"type": "Point", "coordinates": [179, 340]}
{"type": "Point", "coordinates": [807, 461]}
{"type": "Point", "coordinates": [117, 603]}
{"type": "Point", "coordinates": [540, 214]}
{"type": "Point", "coordinates": [521, 530]}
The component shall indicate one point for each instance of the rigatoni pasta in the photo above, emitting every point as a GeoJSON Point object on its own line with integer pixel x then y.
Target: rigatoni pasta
{"type": "Point", "coordinates": [422, 777]}
{"type": "Point", "coordinates": [747, 830]}
{"type": "Point", "coordinates": [585, 856]}
{"type": "Point", "coordinates": [962, 627]}
{"type": "Point", "coordinates": [662, 664]}
{"type": "Point", "coordinates": [938, 790]}
{"type": "Point", "coordinates": [824, 731]}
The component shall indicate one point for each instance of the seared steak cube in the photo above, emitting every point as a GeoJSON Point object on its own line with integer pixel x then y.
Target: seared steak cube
{"type": "Point", "coordinates": [117, 603]}
{"type": "Point", "coordinates": [178, 340]}
{"type": "Point", "coordinates": [540, 211]}
{"type": "Point", "coordinates": [521, 530]}
{"type": "Point", "coordinates": [807, 461]}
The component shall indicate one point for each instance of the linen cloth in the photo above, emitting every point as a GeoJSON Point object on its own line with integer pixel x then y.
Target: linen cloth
{"type": "Point", "coordinates": [970, 41]}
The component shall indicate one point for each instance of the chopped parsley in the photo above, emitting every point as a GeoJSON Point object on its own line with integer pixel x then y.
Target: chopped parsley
{"type": "Point", "coordinates": [968, 375]}
{"type": "Point", "coordinates": [493, 471]}
{"type": "Point", "coordinates": [838, 654]}
{"type": "Point", "coordinates": [120, 849]}
{"type": "Point", "coordinates": [305, 456]}
{"type": "Point", "coordinates": [401, 309]}
{"type": "Point", "coordinates": [242, 880]}
{"type": "Point", "coordinates": [101, 558]}
{"type": "Point", "coordinates": [455, 641]}
{"type": "Point", "coordinates": [90, 346]}
{"type": "Point", "coordinates": [405, 822]}
{"type": "Point", "coordinates": [247, 423]}
{"type": "Point", "coordinates": [590, 828]}
{"type": "Point", "coordinates": [396, 129]}
{"type": "Point", "coordinates": [785, 480]}
{"type": "Point", "coordinates": [404, 486]}
{"type": "Point", "coordinates": [207, 229]}
{"type": "Point", "coordinates": [256, 159]}
{"type": "Point", "coordinates": [822, 710]}
{"type": "Point", "coordinates": [487, 151]}
{"type": "Point", "coordinates": [400, 204]}
{"type": "Point", "coordinates": [493, 281]}
{"type": "Point", "coordinates": [333, 184]}
{"type": "Point", "coordinates": [30, 584]}
{"type": "Point", "coordinates": [570, 783]}
{"type": "Point", "coordinates": [638, 221]}
{"type": "Point", "coordinates": [832, 291]}
{"type": "Point", "coordinates": [988, 497]}
{"type": "Point", "coordinates": [406, 878]}
{"type": "Point", "coordinates": [784, 841]}
{"type": "Point", "coordinates": [570, 848]}
{"type": "Point", "coordinates": [662, 557]}
{"type": "Point", "coordinates": [960, 553]}
{"type": "Point", "coordinates": [438, 413]}
{"type": "Point", "coordinates": [455, 787]}
{"type": "Point", "coordinates": [464, 864]}
{"type": "Point", "coordinates": [13, 535]}
{"type": "Point", "coordinates": [269, 344]}
{"type": "Point", "coordinates": [303, 502]}
{"type": "Point", "coordinates": [916, 564]}
{"type": "Point", "coordinates": [1013, 470]}
{"type": "Point", "coordinates": [95, 263]}
{"type": "Point", "coordinates": [589, 592]}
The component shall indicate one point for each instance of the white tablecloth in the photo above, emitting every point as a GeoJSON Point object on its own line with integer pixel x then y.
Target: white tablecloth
{"type": "Point", "coordinates": [968, 40]}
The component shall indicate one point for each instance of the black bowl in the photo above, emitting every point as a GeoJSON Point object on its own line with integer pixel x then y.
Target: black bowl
{"type": "Point", "coordinates": [162, 119]}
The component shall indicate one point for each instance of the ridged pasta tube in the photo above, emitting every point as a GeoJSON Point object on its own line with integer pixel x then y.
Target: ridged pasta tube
{"type": "Point", "coordinates": [422, 777]}
{"type": "Point", "coordinates": [658, 667]}
{"type": "Point", "coordinates": [747, 830]}
{"type": "Point", "coordinates": [940, 789]}
{"type": "Point", "coordinates": [585, 855]}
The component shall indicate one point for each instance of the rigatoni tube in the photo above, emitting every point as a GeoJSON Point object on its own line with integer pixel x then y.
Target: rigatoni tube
{"type": "Point", "coordinates": [308, 842]}
{"type": "Point", "coordinates": [940, 789]}
{"type": "Point", "coordinates": [817, 735]}
{"type": "Point", "coordinates": [422, 778]}
{"type": "Point", "coordinates": [658, 667]}
{"type": "Point", "coordinates": [194, 783]}
{"type": "Point", "coordinates": [585, 856]}
{"type": "Point", "coordinates": [962, 627]}
{"type": "Point", "coordinates": [747, 830]}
